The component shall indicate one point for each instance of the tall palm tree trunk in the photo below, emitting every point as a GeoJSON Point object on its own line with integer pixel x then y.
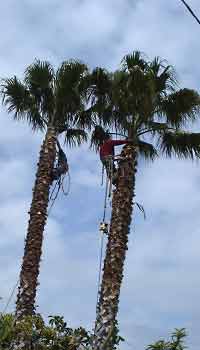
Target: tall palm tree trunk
{"type": "Point", "coordinates": [38, 215]}
{"type": "Point", "coordinates": [122, 206]}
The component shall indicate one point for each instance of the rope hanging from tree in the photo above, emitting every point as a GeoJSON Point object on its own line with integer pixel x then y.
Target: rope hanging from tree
{"type": "Point", "coordinates": [59, 174]}
{"type": "Point", "coordinates": [104, 226]}
{"type": "Point", "coordinates": [10, 297]}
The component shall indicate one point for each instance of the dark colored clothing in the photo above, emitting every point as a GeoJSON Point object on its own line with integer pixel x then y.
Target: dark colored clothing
{"type": "Point", "coordinates": [62, 167]}
{"type": "Point", "coordinates": [107, 149]}
{"type": "Point", "coordinates": [62, 159]}
{"type": "Point", "coordinates": [59, 171]}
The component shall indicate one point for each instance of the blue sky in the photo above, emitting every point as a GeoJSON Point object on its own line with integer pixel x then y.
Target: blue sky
{"type": "Point", "coordinates": [161, 285]}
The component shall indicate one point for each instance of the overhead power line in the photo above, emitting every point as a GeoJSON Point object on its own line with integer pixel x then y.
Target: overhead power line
{"type": "Point", "coordinates": [190, 10]}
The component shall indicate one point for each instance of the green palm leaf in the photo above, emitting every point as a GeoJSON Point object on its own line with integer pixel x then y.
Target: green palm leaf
{"type": "Point", "coordinates": [39, 79]}
{"type": "Point", "coordinates": [84, 119]}
{"type": "Point", "coordinates": [147, 150]}
{"type": "Point", "coordinates": [181, 144]}
{"type": "Point", "coordinates": [154, 127]}
{"type": "Point", "coordinates": [133, 94]}
{"type": "Point", "coordinates": [19, 101]}
{"type": "Point", "coordinates": [100, 96]}
{"type": "Point", "coordinates": [74, 137]}
{"type": "Point", "coordinates": [164, 76]}
{"type": "Point", "coordinates": [180, 107]}
{"type": "Point", "coordinates": [39, 75]}
{"type": "Point", "coordinates": [47, 98]}
{"type": "Point", "coordinates": [69, 90]}
{"type": "Point", "coordinates": [15, 96]}
{"type": "Point", "coordinates": [100, 83]}
{"type": "Point", "coordinates": [134, 61]}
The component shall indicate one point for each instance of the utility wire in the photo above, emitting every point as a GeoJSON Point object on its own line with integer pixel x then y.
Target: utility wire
{"type": "Point", "coordinates": [190, 10]}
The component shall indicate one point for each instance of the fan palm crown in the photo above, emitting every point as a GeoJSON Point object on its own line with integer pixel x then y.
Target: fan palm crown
{"type": "Point", "coordinates": [49, 98]}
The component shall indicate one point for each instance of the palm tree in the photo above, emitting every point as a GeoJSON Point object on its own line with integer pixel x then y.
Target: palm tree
{"type": "Point", "coordinates": [147, 108]}
{"type": "Point", "coordinates": [53, 102]}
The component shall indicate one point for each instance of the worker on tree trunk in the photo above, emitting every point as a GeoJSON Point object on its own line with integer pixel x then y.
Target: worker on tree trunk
{"type": "Point", "coordinates": [62, 167]}
{"type": "Point", "coordinates": [107, 154]}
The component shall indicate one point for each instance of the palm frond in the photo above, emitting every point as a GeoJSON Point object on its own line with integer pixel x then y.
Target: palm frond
{"type": "Point", "coordinates": [164, 75]}
{"type": "Point", "coordinates": [39, 75]}
{"type": "Point", "coordinates": [15, 95]}
{"type": "Point", "coordinates": [84, 119]}
{"type": "Point", "coordinates": [181, 144]}
{"type": "Point", "coordinates": [133, 94]}
{"type": "Point", "coordinates": [39, 79]}
{"type": "Point", "coordinates": [35, 120]}
{"type": "Point", "coordinates": [47, 98]}
{"type": "Point", "coordinates": [180, 107]}
{"type": "Point", "coordinates": [75, 137]}
{"type": "Point", "coordinates": [153, 128]}
{"type": "Point", "coordinates": [18, 100]}
{"type": "Point", "coordinates": [69, 94]}
{"type": "Point", "coordinates": [135, 91]}
{"type": "Point", "coordinates": [69, 74]}
{"type": "Point", "coordinates": [120, 83]}
{"type": "Point", "coordinates": [179, 335]}
{"type": "Point", "coordinates": [100, 81]}
{"type": "Point", "coordinates": [147, 150]}
{"type": "Point", "coordinates": [133, 61]}
{"type": "Point", "coordinates": [100, 95]}
{"type": "Point", "coordinates": [159, 345]}
{"type": "Point", "coordinates": [156, 65]}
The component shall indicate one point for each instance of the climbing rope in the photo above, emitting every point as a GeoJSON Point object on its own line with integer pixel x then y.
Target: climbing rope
{"type": "Point", "coordinates": [141, 208]}
{"type": "Point", "coordinates": [59, 185]}
{"type": "Point", "coordinates": [111, 175]}
{"type": "Point", "coordinates": [52, 200]}
{"type": "Point", "coordinates": [110, 172]}
{"type": "Point", "coordinates": [99, 271]}
{"type": "Point", "coordinates": [66, 192]}
{"type": "Point", "coordinates": [105, 200]}
{"type": "Point", "coordinates": [59, 172]}
{"type": "Point", "coordinates": [103, 228]}
{"type": "Point", "coordinates": [102, 174]}
{"type": "Point", "coordinates": [10, 297]}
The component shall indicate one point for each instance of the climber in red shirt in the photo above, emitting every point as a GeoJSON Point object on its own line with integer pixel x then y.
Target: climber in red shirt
{"type": "Point", "coordinates": [107, 154]}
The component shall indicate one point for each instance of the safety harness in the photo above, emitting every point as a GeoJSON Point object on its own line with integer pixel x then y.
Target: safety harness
{"type": "Point", "coordinates": [59, 173]}
{"type": "Point", "coordinates": [62, 166]}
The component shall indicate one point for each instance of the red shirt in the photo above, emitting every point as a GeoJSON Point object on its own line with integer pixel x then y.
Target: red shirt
{"type": "Point", "coordinates": [107, 149]}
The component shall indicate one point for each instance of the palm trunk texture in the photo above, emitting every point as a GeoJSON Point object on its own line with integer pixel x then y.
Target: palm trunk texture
{"type": "Point", "coordinates": [122, 206]}
{"type": "Point", "coordinates": [38, 215]}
